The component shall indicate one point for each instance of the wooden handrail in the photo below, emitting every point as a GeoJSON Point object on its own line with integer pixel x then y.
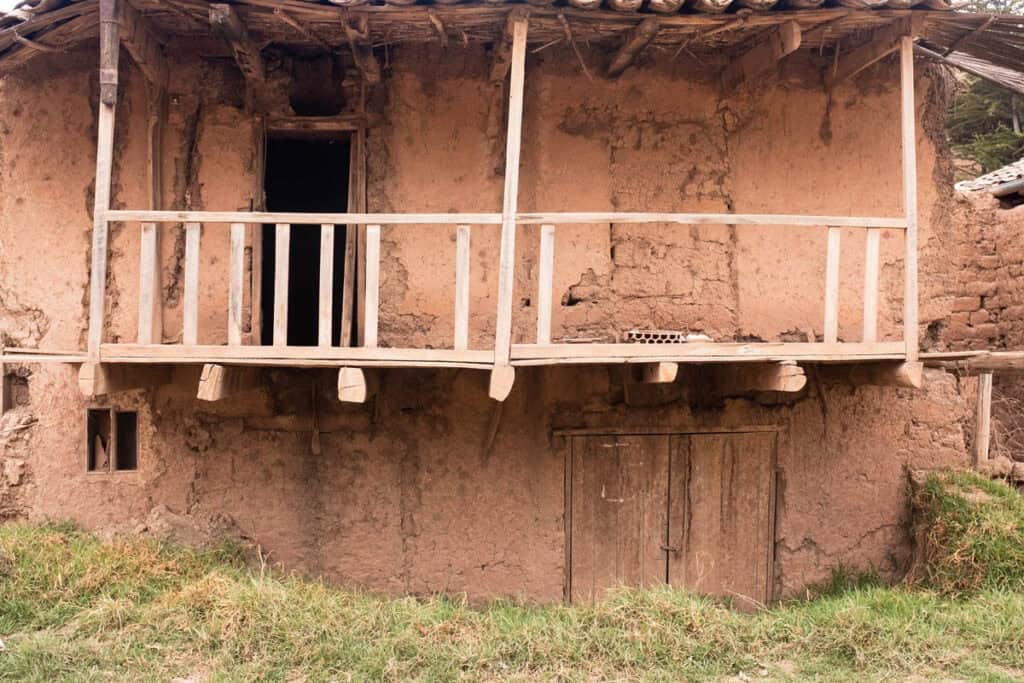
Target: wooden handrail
{"type": "Point", "coordinates": [547, 218]}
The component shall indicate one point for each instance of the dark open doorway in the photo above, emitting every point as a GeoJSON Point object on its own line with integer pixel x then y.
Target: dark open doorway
{"type": "Point", "coordinates": [304, 176]}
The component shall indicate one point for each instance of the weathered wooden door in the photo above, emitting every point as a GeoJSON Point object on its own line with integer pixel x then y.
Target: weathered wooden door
{"type": "Point", "coordinates": [693, 510]}
{"type": "Point", "coordinates": [721, 514]}
{"type": "Point", "coordinates": [619, 517]}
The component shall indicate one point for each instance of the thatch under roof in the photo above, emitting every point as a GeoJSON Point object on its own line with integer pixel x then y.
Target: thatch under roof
{"type": "Point", "coordinates": [987, 43]}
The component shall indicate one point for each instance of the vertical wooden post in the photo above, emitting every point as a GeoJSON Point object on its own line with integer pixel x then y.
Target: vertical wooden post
{"type": "Point", "coordinates": [190, 308]}
{"type": "Point", "coordinates": [236, 284]}
{"type": "Point", "coordinates": [983, 421]}
{"type": "Point", "coordinates": [255, 234]}
{"type": "Point", "coordinates": [282, 244]}
{"type": "Point", "coordinates": [109, 53]}
{"type": "Point", "coordinates": [351, 301]}
{"type": "Point", "coordinates": [150, 295]}
{"type": "Point", "coordinates": [544, 283]}
{"type": "Point", "coordinates": [506, 267]}
{"type": "Point", "coordinates": [462, 288]}
{"type": "Point", "coordinates": [831, 331]}
{"type": "Point", "coordinates": [149, 285]}
{"type": "Point", "coordinates": [372, 286]}
{"type": "Point", "coordinates": [909, 137]}
{"type": "Point", "coordinates": [871, 285]}
{"type": "Point", "coordinates": [325, 323]}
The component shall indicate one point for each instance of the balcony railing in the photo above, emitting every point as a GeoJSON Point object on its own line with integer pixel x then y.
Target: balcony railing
{"type": "Point", "coordinates": [541, 352]}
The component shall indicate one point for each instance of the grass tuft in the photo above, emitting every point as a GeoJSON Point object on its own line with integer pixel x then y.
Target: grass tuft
{"type": "Point", "coordinates": [970, 534]}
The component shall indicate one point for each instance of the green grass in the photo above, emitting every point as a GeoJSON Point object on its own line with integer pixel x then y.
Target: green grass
{"type": "Point", "coordinates": [73, 607]}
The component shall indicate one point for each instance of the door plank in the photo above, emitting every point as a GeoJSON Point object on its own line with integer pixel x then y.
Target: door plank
{"type": "Point", "coordinates": [720, 515]}
{"type": "Point", "coordinates": [618, 513]}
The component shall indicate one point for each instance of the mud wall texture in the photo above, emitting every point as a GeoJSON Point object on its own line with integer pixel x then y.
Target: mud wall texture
{"type": "Point", "coordinates": [988, 308]}
{"type": "Point", "coordinates": [431, 487]}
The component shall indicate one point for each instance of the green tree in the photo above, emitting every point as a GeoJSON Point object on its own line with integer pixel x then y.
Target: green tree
{"type": "Point", "coordinates": [984, 124]}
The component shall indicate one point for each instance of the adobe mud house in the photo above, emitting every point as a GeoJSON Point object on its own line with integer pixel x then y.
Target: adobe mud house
{"type": "Point", "coordinates": [503, 299]}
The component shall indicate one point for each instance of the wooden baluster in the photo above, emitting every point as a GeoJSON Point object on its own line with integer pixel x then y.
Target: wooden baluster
{"type": "Point", "coordinates": [149, 285]}
{"type": "Point", "coordinates": [462, 288]}
{"type": "Point", "coordinates": [236, 284]}
{"type": "Point", "coordinates": [326, 283]}
{"type": "Point", "coordinates": [372, 286]}
{"type": "Point", "coordinates": [545, 283]}
{"type": "Point", "coordinates": [190, 322]}
{"type": "Point", "coordinates": [832, 287]}
{"type": "Point", "coordinates": [871, 285]}
{"type": "Point", "coordinates": [282, 240]}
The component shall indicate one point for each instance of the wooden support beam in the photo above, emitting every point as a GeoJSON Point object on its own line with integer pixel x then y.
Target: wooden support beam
{"type": "Point", "coordinates": [356, 385]}
{"type": "Point", "coordinates": [882, 43]}
{"type": "Point", "coordinates": [871, 257]}
{"type": "Point", "coordinates": [462, 253]}
{"type": "Point", "coordinates": [325, 322]}
{"type": "Point", "coordinates": [282, 251]}
{"type": "Point", "coordinates": [513, 142]}
{"type": "Point", "coordinates": [748, 377]}
{"type": "Point", "coordinates": [886, 374]}
{"type": "Point", "coordinates": [831, 327]}
{"type": "Point", "coordinates": [221, 381]}
{"type": "Point", "coordinates": [190, 306]}
{"type": "Point", "coordinates": [983, 419]}
{"type": "Point", "coordinates": [908, 131]}
{"type": "Point", "coordinates": [372, 306]}
{"type": "Point", "coordinates": [226, 21]}
{"type": "Point", "coordinates": [545, 277]}
{"type": "Point", "coordinates": [656, 373]}
{"type": "Point", "coordinates": [358, 37]}
{"type": "Point", "coordinates": [635, 42]}
{"type": "Point", "coordinates": [236, 283]}
{"type": "Point", "coordinates": [501, 59]}
{"type": "Point", "coordinates": [109, 52]}
{"type": "Point", "coordinates": [762, 57]}
{"type": "Point", "coordinates": [502, 379]}
{"type": "Point", "coordinates": [100, 379]}
{"type": "Point", "coordinates": [144, 45]}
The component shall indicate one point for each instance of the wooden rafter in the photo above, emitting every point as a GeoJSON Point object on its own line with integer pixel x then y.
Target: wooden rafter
{"type": "Point", "coordinates": [762, 57]}
{"type": "Point", "coordinates": [358, 36]}
{"type": "Point", "coordinates": [882, 43]}
{"type": "Point", "coordinates": [634, 44]}
{"type": "Point", "coordinates": [143, 43]}
{"type": "Point", "coordinates": [501, 60]}
{"type": "Point", "coordinates": [226, 21]}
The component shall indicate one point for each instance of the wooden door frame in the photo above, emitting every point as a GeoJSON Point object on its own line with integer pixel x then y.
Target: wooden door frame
{"type": "Point", "coordinates": [351, 306]}
{"type": "Point", "coordinates": [565, 444]}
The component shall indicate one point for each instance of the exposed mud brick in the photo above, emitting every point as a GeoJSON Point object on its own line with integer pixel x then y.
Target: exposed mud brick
{"type": "Point", "coordinates": [966, 303]}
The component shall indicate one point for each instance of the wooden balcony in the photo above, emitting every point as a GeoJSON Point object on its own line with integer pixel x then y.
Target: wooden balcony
{"type": "Point", "coordinates": [541, 351]}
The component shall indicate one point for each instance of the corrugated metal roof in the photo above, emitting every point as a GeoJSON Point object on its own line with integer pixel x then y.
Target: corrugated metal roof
{"type": "Point", "coordinates": [990, 181]}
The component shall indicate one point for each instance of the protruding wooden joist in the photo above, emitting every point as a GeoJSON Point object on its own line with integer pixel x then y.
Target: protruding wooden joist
{"type": "Point", "coordinates": [99, 379]}
{"type": "Point", "coordinates": [635, 42]}
{"type": "Point", "coordinates": [356, 385]}
{"type": "Point", "coordinates": [886, 374]}
{"type": "Point", "coordinates": [762, 57]}
{"type": "Point", "coordinates": [144, 45]}
{"type": "Point", "coordinates": [225, 20]}
{"type": "Point", "coordinates": [656, 373]}
{"type": "Point", "coordinates": [740, 378]}
{"type": "Point", "coordinates": [221, 381]}
{"type": "Point", "coordinates": [882, 43]}
{"type": "Point", "coordinates": [502, 379]}
{"type": "Point", "coordinates": [358, 37]}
